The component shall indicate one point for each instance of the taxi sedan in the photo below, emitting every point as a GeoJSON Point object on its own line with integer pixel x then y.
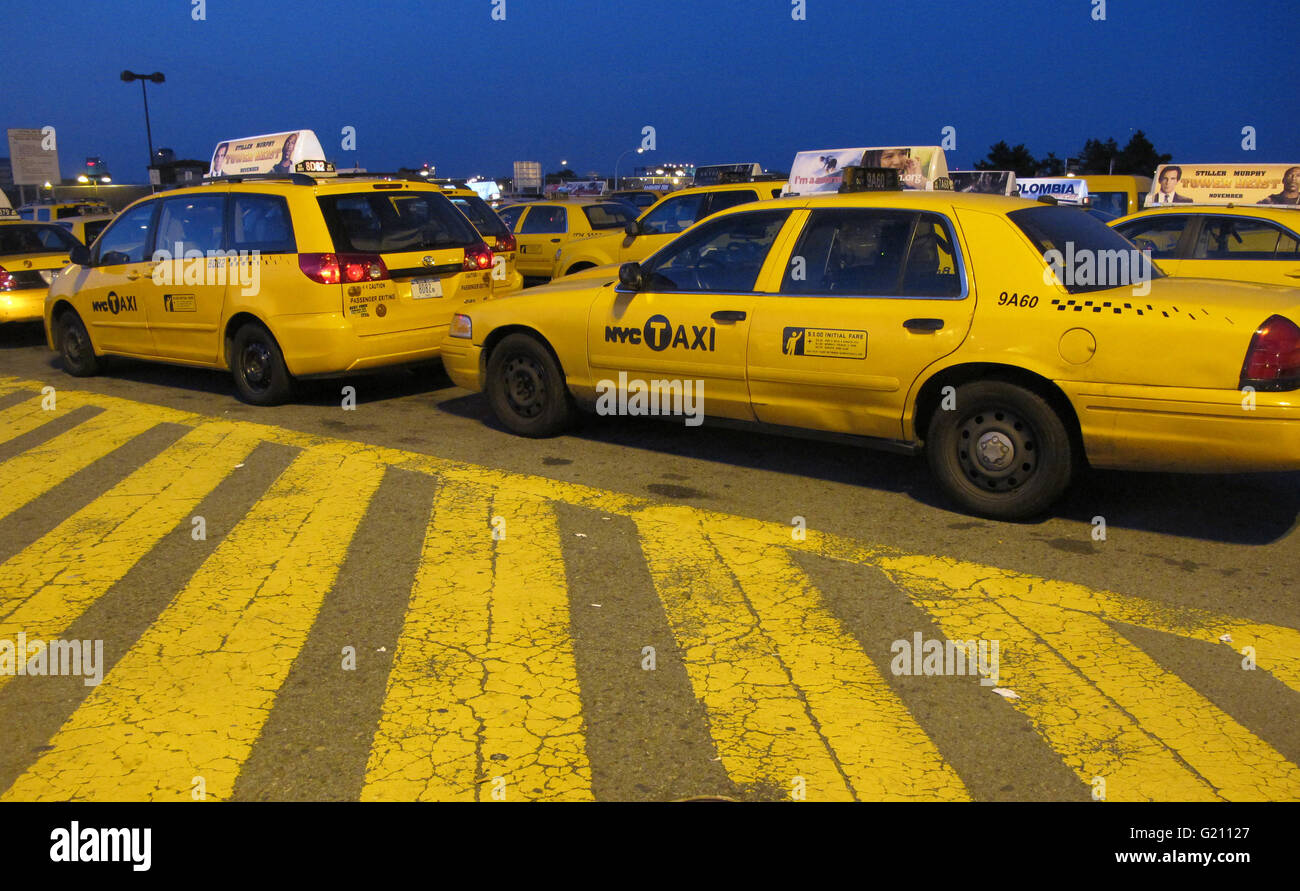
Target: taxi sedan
{"type": "Point", "coordinates": [1249, 243]}
{"type": "Point", "coordinates": [543, 228]}
{"type": "Point", "coordinates": [30, 255]}
{"type": "Point", "coordinates": [936, 322]}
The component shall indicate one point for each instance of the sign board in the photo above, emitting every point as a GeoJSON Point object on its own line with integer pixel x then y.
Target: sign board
{"type": "Point", "coordinates": [268, 153]}
{"type": "Point", "coordinates": [713, 174]}
{"type": "Point", "coordinates": [1065, 189]}
{"type": "Point", "coordinates": [528, 175]}
{"type": "Point", "coordinates": [918, 166]}
{"type": "Point", "coordinates": [984, 182]}
{"type": "Point", "coordinates": [35, 158]}
{"type": "Point", "coordinates": [579, 188]}
{"type": "Point", "coordinates": [1225, 184]}
{"type": "Point", "coordinates": [486, 189]}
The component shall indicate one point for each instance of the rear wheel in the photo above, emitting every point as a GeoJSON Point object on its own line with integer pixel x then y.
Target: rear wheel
{"type": "Point", "coordinates": [1003, 452]}
{"type": "Point", "coordinates": [261, 376]}
{"type": "Point", "coordinates": [526, 388]}
{"type": "Point", "coordinates": [79, 359]}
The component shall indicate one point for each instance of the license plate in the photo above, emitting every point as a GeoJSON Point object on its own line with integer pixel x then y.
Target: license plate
{"type": "Point", "coordinates": [424, 288]}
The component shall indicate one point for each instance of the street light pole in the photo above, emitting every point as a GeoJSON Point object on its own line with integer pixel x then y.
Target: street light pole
{"type": "Point", "coordinates": [620, 158]}
{"type": "Point", "coordinates": [156, 77]}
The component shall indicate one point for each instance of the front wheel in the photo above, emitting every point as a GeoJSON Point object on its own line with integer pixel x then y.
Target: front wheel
{"type": "Point", "coordinates": [258, 366]}
{"type": "Point", "coordinates": [1003, 452]}
{"type": "Point", "coordinates": [79, 359]}
{"type": "Point", "coordinates": [526, 388]}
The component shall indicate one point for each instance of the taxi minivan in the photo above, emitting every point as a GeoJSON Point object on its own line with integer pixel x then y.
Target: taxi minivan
{"type": "Point", "coordinates": [506, 277]}
{"type": "Point", "coordinates": [274, 277]}
{"type": "Point", "coordinates": [30, 256]}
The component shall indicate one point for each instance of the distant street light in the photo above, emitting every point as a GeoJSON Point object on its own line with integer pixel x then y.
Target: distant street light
{"type": "Point", "coordinates": [620, 158]}
{"type": "Point", "coordinates": [156, 77]}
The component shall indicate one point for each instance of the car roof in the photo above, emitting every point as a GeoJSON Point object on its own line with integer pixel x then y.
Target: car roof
{"type": "Point", "coordinates": [905, 198]}
{"type": "Point", "coordinates": [1284, 212]}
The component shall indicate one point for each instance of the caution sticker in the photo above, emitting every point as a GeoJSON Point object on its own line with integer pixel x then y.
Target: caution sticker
{"type": "Point", "coordinates": [826, 343]}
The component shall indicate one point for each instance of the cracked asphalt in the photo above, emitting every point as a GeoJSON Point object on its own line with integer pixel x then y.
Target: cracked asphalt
{"type": "Point", "coordinates": [404, 602]}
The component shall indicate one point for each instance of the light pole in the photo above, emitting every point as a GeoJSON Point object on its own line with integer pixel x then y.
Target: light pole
{"type": "Point", "coordinates": [620, 158]}
{"type": "Point", "coordinates": [156, 77]}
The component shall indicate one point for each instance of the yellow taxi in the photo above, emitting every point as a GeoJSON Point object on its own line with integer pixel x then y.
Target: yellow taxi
{"type": "Point", "coordinates": [973, 328]}
{"type": "Point", "coordinates": [506, 276]}
{"type": "Point", "coordinates": [50, 213]}
{"type": "Point", "coordinates": [659, 225]}
{"type": "Point", "coordinates": [272, 276]}
{"type": "Point", "coordinates": [543, 228]}
{"type": "Point", "coordinates": [87, 228]}
{"type": "Point", "coordinates": [30, 256]}
{"type": "Point", "coordinates": [1116, 194]}
{"type": "Point", "coordinates": [1246, 244]}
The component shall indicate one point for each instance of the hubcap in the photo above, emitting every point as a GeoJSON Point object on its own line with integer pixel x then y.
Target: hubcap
{"type": "Point", "coordinates": [997, 450]}
{"type": "Point", "coordinates": [75, 345]}
{"type": "Point", "coordinates": [525, 386]}
{"type": "Point", "coordinates": [257, 366]}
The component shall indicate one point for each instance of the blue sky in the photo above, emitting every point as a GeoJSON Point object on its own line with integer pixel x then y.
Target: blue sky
{"type": "Point", "coordinates": [439, 81]}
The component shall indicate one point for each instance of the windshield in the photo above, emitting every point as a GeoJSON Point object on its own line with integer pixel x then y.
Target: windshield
{"type": "Point", "coordinates": [34, 240]}
{"type": "Point", "coordinates": [382, 223]}
{"type": "Point", "coordinates": [1085, 253]}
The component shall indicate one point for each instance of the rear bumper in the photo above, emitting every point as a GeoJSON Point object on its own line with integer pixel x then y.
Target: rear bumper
{"type": "Point", "coordinates": [326, 343]}
{"type": "Point", "coordinates": [1187, 430]}
{"type": "Point", "coordinates": [461, 360]}
{"type": "Point", "coordinates": [23, 305]}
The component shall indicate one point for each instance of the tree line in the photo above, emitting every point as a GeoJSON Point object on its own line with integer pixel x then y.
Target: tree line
{"type": "Point", "coordinates": [1139, 157]}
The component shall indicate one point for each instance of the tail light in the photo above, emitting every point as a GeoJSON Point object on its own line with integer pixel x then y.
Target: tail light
{"type": "Point", "coordinates": [6, 280]}
{"type": "Point", "coordinates": [323, 268]}
{"type": "Point", "coordinates": [478, 257]}
{"type": "Point", "coordinates": [506, 244]}
{"type": "Point", "coordinates": [1273, 360]}
{"type": "Point", "coordinates": [333, 269]}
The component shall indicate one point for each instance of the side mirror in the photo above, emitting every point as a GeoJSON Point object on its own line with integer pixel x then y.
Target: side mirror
{"type": "Point", "coordinates": [630, 277]}
{"type": "Point", "coordinates": [633, 229]}
{"type": "Point", "coordinates": [80, 255]}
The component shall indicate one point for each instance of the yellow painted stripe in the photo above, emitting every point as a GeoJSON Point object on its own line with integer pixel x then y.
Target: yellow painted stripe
{"type": "Point", "coordinates": [884, 753]}
{"type": "Point", "coordinates": [12, 385]}
{"type": "Point", "coordinates": [25, 417]}
{"type": "Point", "coordinates": [27, 476]}
{"type": "Point", "coordinates": [190, 697]}
{"type": "Point", "coordinates": [48, 585]}
{"type": "Point", "coordinates": [482, 701]}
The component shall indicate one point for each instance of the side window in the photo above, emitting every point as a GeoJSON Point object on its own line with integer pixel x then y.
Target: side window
{"type": "Point", "coordinates": [544, 221]}
{"type": "Point", "coordinates": [673, 215]}
{"type": "Point", "coordinates": [192, 223]}
{"type": "Point", "coordinates": [722, 200]}
{"type": "Point", "coordinates": [852, 252]}
{"type": "Point", "coordinates": [510, 215]}
{"type": "Point", "coordinates": [261, 223]}
{"type": "Point", "coordinates": [53, 239]}
{"type": "Point", "coordinates": [43, 214]}
{"type": "Point", "coordinates": [1158, 234]}
{"type": "Point", "coordinates": [128, 238]}
{"type": "Point", "coordinates": [724, 255]}
{"type": "Point", "coordinates": [1239, 238]}
{"type": "Point", "coordinates": [1110, 202]}
{"type": "Point", "coordinates": [93, 229]}
{"type": "Point", "coordinates": [931, 269]}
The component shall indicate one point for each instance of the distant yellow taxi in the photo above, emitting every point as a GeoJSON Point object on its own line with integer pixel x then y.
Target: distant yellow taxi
{"type": "Point", "coordinates": [272, 276]}
{"type": "Point", "coordinates": [543, 228]}
{"type": "Point", "coordinates": [30, 256]}
{"type": "Point", "coordinates": [505, 273]}
{"type": "Point", "coordinates": [1010, 340]}
{"type": "Point", "coordinates": [659, 225]}
{"type": "Point", "coordinates": [87, 228]}
{"type": "Point", "coordinates": [1247, 243]}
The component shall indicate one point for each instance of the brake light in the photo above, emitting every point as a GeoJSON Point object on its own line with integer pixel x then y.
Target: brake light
{"type": "Point", "coordinates": [478, 257]}
{"type": "Point", "coordinates": [1273, 360]}
{"type": "Point", "coordinates": [363, 267]}
{"type": "Point", "coordinates": [323, 268]}
{"type": "Point", "coordinates": [506, 244]}
{"type": "Point", "coordinates": [6, 280]}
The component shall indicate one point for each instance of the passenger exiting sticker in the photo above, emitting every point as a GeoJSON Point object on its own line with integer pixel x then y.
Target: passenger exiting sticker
{"type": "Point", "coordinates": [826, 343]}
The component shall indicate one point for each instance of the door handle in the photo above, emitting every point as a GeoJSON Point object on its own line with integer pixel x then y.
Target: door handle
{"type": "Point", "coordinates": [923, 325]}
{"type": "Point", "coordinates": [555, 241]}
{"type": "Point", "coordinates": [729, 315]}
{"type": "Point", "coordinates": [1294, 273]}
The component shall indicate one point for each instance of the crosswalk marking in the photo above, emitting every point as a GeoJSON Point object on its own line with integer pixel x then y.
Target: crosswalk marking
{"type": "Point", "coordinates": [483, 701]}
{"type": "Point", "coordinates": [190, 697]}
{"type": "Point", "coordinates": [46, 586]}
{"type": "Point", "coordinates": [23, 418]}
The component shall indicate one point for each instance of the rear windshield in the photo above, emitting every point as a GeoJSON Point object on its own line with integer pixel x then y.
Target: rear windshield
{"type": "Point", "coordinates": [609, 216]}
{"type": "Point", "coordinates": [34, 240]}
{"type": "Point", "coordinates": [1091, 255]}
{"type": "Point", "coordinates": [481, 215]}
{"type": "Point", "coordinates": [389, 222]}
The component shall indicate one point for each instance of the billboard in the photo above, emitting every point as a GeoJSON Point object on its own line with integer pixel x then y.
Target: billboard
{"type": "Point", "coordinates": [984, 182]}
{"type": "Point", "coordinates": [918, 166]}
{"type": "Point", "coordinates": [1065, 189]}
{"type": "Point", "coordinates": [1225, 184]}
{"type": "Point", "coordinates": [269, 153]}
{"type": "Point", "coordinates": [713, 174]}
{"type": "Point", "coordinates": [528, 175]}
{"type": "Point", "coordinates": [34, 156]}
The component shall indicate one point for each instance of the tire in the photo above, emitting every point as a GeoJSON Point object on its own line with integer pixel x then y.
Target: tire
{"type": "Point", "coordinates": [261, 377]}
{"type": "Point", "coordinates": [1028, 457]}
{"type": "Point", "coordinates": [78, 353]}
{"type": "Point", "coordinates": [526, 388]}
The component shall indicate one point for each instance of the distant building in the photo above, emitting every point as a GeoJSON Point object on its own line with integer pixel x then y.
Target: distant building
{"type": "Point", "coordinates": [177, 173]}
{"type": "Point", "coordinates": [6, 172]}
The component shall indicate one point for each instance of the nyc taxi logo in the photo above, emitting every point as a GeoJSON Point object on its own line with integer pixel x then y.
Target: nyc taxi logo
{"type": "Point", "coordinates": [659, 334]}
{"type": "Point", "coordinates": [114, 304]}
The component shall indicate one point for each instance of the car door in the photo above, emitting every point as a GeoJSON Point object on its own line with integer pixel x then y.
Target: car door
{"type": "Point", "coordinates": [690, 320]}
{"type": "Point", "coordinates": [1164, 236]}
{"type": "Point", "coordinates": [540, 232]}
{"type": "Point", "coordinates": [1243, 248]}
{"type": "Point", "coordinates": [185, 298]}
{"type": "Point", "coordinates": [867, 300]}
{"type": "Point", "coordinates": [109, 291]}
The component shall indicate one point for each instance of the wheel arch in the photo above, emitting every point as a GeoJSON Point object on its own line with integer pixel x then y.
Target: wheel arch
{"type": "Point", "coordinates": [499, 334]}
{"type": "Point", "coordinates": [233, 324]}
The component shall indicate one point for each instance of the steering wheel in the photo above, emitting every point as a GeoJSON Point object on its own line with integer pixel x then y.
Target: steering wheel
{"type": "Point", "coordinates": [708, 273]}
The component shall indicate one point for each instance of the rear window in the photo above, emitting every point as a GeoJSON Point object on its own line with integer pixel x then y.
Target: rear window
{"type": "Point", "coordinates": [1110, 202]}
{"type": "Point", "coordinates": [609, 216]}
{"type": "Point", "coordinates": [1087, 243]}
{"type": "Point", "coordinates": [481, 215]}
{"type": "Point", "coordinates": [34, 240]}
{"type": "Point", "coordinates": [390, 222]}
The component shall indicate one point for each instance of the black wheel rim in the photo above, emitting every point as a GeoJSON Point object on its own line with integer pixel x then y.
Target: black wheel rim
{"type": "Point", "coordinates": [525, 385]}
{"type": "Point", "coordinates": [998, 450]}
{"type": "Point", "coordinates": [74, 345]}
{"type": "Point", "coordinates": [255, 366]}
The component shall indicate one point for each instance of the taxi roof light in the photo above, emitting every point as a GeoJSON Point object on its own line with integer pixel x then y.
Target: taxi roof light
{"type": "Point", "coordinates": [1273, 360]}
